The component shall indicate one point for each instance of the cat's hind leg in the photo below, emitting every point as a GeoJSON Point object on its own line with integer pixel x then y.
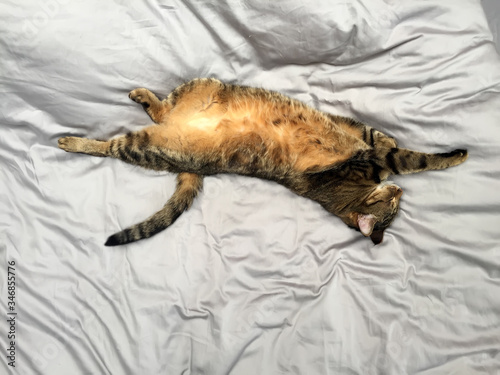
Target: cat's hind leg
{"type": "Point", "coordinates": [154, 107]}
{"type": "Point", "coordinates": [84, 146]}
{"type": "Point", "coordinates": [134, 148]}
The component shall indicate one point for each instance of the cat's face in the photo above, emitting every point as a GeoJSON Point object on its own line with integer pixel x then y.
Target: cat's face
{"type": "Point", "coordinates": [376, 212]}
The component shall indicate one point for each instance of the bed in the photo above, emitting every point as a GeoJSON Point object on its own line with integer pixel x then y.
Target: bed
{"type": "Point", "coordinates": [252, 279]}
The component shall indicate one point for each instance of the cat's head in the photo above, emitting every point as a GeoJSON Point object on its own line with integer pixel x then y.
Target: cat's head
{"type": "Point", "coordinates": [373, 214]}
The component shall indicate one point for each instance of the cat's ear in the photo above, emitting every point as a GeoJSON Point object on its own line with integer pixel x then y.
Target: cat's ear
{"type": "Point", "coordinates": [366, 224]}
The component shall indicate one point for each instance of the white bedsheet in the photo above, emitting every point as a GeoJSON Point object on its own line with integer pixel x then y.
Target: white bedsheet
{"type": "Point", "coordinates": [253, 279]}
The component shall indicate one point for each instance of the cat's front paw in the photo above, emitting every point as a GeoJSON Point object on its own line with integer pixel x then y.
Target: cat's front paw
{"type": "Point", "coordinates": [456, 157]}
{"type": "Point", "coordinates": [141, 96]}
{"type": "Point", "coordinates": [69, 144]}
{"type": "Point", "coordinates": [461, 155]}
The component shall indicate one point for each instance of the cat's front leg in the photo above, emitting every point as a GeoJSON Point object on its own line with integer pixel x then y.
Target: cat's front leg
{"type": "Point", "coordinates": [155, 108]}
{"type": "Point", "coordinates": [377, 139]}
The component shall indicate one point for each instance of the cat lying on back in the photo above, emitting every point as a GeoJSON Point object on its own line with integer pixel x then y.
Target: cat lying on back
{"type": "Point", "coordinates": [205, 127]}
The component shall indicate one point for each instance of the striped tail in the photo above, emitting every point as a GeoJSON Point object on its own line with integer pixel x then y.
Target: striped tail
{"type": "Point", "coordinates": [188, 186]}
{"type": "Point", "coordinates": [403, 161]}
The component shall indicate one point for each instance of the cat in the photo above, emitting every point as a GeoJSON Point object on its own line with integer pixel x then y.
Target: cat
{"type": "Point", "coordinates": [205, 127]}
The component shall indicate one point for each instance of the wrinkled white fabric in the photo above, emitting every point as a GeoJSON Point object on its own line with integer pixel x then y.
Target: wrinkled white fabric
{"type": "Point", "coordinates": [252, 279]}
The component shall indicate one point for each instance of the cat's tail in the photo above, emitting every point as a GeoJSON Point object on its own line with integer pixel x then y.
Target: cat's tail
{"type": "Point", "coordinates": [188, 186]}
{"type": "Point", "coordinates": [403, 161]}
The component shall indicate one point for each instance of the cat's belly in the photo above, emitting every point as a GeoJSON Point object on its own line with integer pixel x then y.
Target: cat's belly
{"type": "Point", "coordinates": [248, 137]}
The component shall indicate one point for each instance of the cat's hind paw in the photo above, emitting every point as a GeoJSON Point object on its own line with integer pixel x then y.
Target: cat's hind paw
{"type": "Point", "coordinates": [69, 144]}
{"type": "Point", "coordinates": [142, 96]}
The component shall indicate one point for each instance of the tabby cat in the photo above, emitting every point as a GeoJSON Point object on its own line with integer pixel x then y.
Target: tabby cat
{"type": "Point", "coordinates": [205, 127]}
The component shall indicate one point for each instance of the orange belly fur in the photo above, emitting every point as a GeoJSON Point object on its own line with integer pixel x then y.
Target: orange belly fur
{"type": "Point", "coordinates": [302, 137]}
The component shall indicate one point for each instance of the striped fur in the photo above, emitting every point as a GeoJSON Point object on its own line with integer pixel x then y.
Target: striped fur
{"type": "Point", "coordinates": [205, 127]}
{"type": "Point", "coordinates": [188, 186]}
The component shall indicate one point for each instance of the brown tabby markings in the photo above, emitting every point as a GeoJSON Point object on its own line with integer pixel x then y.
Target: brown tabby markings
{"type": "Point", "coordinates": [207, 127]}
